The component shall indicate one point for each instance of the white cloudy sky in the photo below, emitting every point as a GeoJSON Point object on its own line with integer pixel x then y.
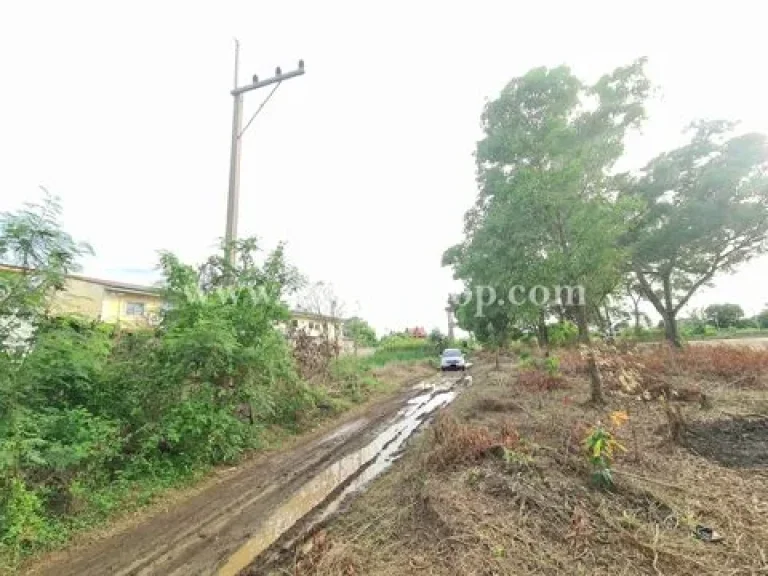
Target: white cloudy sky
{"type": "Point", "coordinates": [364, 165]}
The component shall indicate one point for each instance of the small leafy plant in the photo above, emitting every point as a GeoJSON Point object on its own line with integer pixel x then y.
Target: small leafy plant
{"type": "Point", "coordinates": [552, 366]}
{"type": "Point", "coordinates": [600, 446]}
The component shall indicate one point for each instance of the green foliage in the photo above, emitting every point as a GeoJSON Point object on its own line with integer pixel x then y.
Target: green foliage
{"type": "Point", "coordinates": [600, 446]}
{"type": "Point", "coordinates": [552, 365]}
{"type": "Point", "coordinates": [762, 318]}
{"type": "Point", "coordinates": [361, 332]}
{"type": "Point", "coordinates": [21, 521]}
{"type": "Point", "coordinates": [547, 213]}
{"type": "Point", "coordinates": [724, 315]}
{"type": "Point", "coordinates": [703, 210]}
{"type": "Point", "coordinates": [694, 329]}
{"type": "Point", "coordinates": [399, 348]}
{"type": "Point", "coordinates": [563, 334]}
{"type": "Point", "coordinates": [354, 377]}
{"type": "Point", "coordinates": [43, 254]}
{"type": "Point", "coordinates": [93, 419]}
{"type": "Point", "coordinates": [401, 343]}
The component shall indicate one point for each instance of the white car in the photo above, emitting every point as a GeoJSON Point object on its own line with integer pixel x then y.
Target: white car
{"type": "Point", "coordinates": [452, 359]}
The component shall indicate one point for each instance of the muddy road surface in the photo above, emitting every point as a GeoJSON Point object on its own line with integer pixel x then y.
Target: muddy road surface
{"type": "Point", "coordinates": [225, 527]}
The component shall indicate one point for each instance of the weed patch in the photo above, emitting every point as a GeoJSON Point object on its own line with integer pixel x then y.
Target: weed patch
{"type": "Point", "coordinates": [454, 443]}
{"type": "Point", "coordinates": [541, 381]}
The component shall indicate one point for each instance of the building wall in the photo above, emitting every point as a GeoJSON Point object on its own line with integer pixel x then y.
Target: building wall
{"type": "Point", "coordinates": [315, 326]}
{"type": "Point", "coordinates": [79, 297]}
{"type": "Point", "coordinates": [115, 308]}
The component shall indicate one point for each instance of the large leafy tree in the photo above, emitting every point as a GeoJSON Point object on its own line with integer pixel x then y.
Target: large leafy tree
{"type": "Point", "coordinates": [704, 211]}
{"type": "Point", "coordinates": [762, 318]}
{"type": "Point", "coordinates": [724, 315]}
{"type": "Point", "coordinates": [547, 212]}
{"type": "Point", "coordinates": [361, 333]}
{"type": "Point", "coordinates": [37, 255]}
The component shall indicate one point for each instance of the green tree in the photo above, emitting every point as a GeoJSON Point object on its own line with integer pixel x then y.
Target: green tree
{"type": "Point", "coordinates": [724, 315]}
{"type": "Point", "coordinates": [493, 328]}
{"type": "Point", "coordinates": [546, 213]}
{"type": "Point", "coordinates": [38, 255]}
{"type": "Point", "coordinates": [762, 318]}
{"type": "Point", "coordinates": [704, 210]}
{"type": "Point", "coordinates": [361, 333]}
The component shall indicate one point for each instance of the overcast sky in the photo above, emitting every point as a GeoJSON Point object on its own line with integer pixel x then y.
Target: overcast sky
{"type": "Point", "coordinates": [364, 165]}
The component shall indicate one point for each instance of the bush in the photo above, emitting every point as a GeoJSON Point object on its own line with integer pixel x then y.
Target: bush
{"type": "Point", "coordinates": [21, 520]}
{"type": "Point", "coordinates": [87, 412]}
{"type": "Point", "coordinates": [563, 334]}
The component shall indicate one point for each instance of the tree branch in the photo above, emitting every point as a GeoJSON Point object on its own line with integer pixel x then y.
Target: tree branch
{"type": "Point", "coordinates": [649, 293]}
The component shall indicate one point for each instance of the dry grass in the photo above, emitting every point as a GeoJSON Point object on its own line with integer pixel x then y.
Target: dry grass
{"type": "Point", "coordinates": [539, 380]}
{"type": "Point", "coordinates": [452, 506]}
{"type": "Point", "coordinates": [456, 443]}
{"type": "Point", "coordinates": [399, 373]}
{"type": "Point", "coordinates": [724, 364]}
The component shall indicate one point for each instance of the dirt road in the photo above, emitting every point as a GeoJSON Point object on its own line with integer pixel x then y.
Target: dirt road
{"type": "Point", "coordinates": [222, 528]}
{"type": "Point", "coordinates": [751, 342]}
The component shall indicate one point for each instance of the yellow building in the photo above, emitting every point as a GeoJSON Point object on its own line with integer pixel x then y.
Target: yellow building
{"type": "Point", "coordinates": [105, 300]}
{"type": "Point", "coordinates": [135, 305]}
{"type": "Point", "coordinates": [316, 325]}
{"type": "Point", "coordinates": [109, 301]}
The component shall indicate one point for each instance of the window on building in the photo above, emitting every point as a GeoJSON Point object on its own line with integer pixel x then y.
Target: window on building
{"type": "Point", "coordinates": [134, 309]}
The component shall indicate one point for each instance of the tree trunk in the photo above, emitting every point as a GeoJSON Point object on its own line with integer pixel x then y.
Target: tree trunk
{"type": "Point", "coordinates": [543, 331]}
{"type": "Point", "coordinates": [609, 324]}
{"type": "Point", "coordinates": [670, 330]}
{"type": "Point", "coordinates": [498, 350]}
{"type": "Point", "coordinates": [595, 380]}
{"type": "Point", "coordinates": [637, 317]}
{"type": "Point", "coordinates": [670, 321]}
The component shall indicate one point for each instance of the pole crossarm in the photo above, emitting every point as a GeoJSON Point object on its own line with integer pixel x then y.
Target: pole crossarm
{"type": "Point", "coordinates": [261, 83]}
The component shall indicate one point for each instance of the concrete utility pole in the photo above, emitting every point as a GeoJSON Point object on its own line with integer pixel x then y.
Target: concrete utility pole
{"type": "Point", "coordinates": [237, 132]}
{"type": "Point", "coordinates": [451, 323]}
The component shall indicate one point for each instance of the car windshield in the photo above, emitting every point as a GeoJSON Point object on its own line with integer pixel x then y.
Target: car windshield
{"type": "Point", "coordinates": [451, 353]}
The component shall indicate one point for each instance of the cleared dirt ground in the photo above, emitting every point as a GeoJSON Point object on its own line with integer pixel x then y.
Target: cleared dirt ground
{"type": "Point", "coordinates": [501, 485]}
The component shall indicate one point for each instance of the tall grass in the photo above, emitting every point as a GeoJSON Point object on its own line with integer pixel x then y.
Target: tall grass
{"type": "Point", "coordinates": [402, 349]}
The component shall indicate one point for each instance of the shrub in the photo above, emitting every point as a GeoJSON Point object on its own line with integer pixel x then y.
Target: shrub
{"type": "Point", "coordinates": [563, 334]}
{"type": "Point", "coordinates": [600, 446]}
{"type": "Point", "coordinates": [21, 520]}
{"type": "Point", "coordinates": [87, 412]}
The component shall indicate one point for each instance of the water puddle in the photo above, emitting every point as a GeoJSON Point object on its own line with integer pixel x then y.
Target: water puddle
{"type": "Point", "coordinates": [325, 492]}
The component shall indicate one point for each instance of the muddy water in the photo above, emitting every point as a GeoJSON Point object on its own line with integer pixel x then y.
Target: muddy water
{"type": "Point", "coordinates": [328, 489]}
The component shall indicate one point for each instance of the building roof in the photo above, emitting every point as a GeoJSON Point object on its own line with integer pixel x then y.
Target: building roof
{"type": "Point", "coordinates": [315, 316]}
{"type": "Point", "coordinates": [110, 284]}
{"type": "Point", "coordinates": [119, 286]}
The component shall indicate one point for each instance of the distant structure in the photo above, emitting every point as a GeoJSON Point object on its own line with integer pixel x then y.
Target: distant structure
{"type": "Point", "coordinates": [451, 322]}
{"type": "Point", "coordinates": [417, 332]}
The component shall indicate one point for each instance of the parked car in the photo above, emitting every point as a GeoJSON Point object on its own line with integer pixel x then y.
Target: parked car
{"type": "Point", "coordinates": [452, 359]}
